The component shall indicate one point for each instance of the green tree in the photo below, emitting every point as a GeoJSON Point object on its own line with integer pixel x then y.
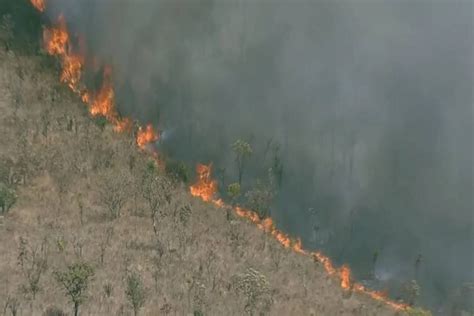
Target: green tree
{"type": "Point", "coordinates": [135, 292]}
{"type": "Point", "coordinates": [233, 191]}
{"type": "Point", "coordinates": [259, 200]}
{"type": "Point", "coordinates": [242, 151]}
{"type": "Point", "coordinates": [75, 281]}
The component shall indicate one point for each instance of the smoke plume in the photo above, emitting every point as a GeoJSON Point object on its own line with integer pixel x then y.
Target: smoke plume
{"type": "Point", "coordinates": [370, 102]}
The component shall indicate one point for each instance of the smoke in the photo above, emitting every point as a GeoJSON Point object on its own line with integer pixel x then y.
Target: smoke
{"type": "Point", "coordinates": [370, 101]}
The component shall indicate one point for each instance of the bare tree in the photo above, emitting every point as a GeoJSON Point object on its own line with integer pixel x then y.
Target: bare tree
{"type": "Point", "coordinates": [156, 191]}
{"type": "Point", "coordinates": [12, 304]}
{"type": "Point", "coordinates": [113, 192]}
{"type": "Point", "coordinates": [242, 151]}
{"type": "Point", "coordinates": [33, 263]}
{"type": "Point", "coordinates": [6, 30]}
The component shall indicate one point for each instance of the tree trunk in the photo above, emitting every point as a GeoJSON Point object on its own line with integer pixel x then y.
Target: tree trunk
{"type": "Point", "coordinates": [153, 219]}
{"type": "Point", "coordinates": [76, 309]}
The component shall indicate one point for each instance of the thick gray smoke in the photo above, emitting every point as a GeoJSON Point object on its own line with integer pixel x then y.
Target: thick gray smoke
{"type": "Point", "coordinates": [371, 102]}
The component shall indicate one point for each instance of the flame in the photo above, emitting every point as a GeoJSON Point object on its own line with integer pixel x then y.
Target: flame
{"type": "Point", "coordinates": [39, 5]}
{"type": "Point", "coordinates": [103, 103]}
{"type": "Point", "coordinates": [123, 125]}
{"type": "Point", "coordinates": [345, 274]}
{"type": "Point", "coordinates": [205, 187]}
{"type": "Point", "coordinates": [57, 43]}
{"type": "Point", "coordinates": [56, 39]}
{"type": "Point", "coordinates": [146, 136]}
{"type": "Point", "coordinates": [71, 73]}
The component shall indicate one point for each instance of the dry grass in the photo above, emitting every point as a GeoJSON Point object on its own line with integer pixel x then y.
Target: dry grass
{"type": "Point", "coordinates": [64, 164]}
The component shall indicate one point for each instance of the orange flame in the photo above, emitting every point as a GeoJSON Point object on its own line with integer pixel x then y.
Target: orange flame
{"type": "Point", "coordinates": [146, 136]}
{"type": "Point", "coordinates": [205, 187]}
{"type": "Point", "coordinates": [103, 102]}
{"type": "Point", "coordinates": [345, 274]}
{"type": "Point", "coordinates": [71, 73]}
{"type": "Point", "coordinates": [123, 125]}
{"type": "Point", "coordinates": [39, 5]}
{"type": "Point", "coordinates": [56, 39]}
{"type": "Point", "coordinates": [57, 43]}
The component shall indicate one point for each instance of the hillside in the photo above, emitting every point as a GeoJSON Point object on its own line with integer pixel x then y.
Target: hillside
{"type": "Point", "coordinates": [83, 194]}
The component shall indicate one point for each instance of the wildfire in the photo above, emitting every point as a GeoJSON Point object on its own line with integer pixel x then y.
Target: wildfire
{"type": "Point", "coordinates": [345, 275]}
{"type": "Point", "coordinates": [56, 39]}
{"type": "Point", "coordinates": [71, 73]}
{"type": "Point", "coordinates": [205, 187]}
{"type": "Point", "coordinates": [57, 42]}
{"type": "Point", "coordinates": [103, 103]}
{"type": "Point", "coordinates": [146, 136]}
{"type": "Point", "coordinates": [39, 5]}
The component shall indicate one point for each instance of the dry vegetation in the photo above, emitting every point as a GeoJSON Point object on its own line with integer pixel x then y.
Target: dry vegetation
{"type": "Point", "coordinates": [87, 198]}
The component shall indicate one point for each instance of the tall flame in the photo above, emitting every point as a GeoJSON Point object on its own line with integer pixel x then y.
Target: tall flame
{"type": "Point", "coordinates": [205, 187]}
{"type": "Point", "coordinates": [146, 136]}
{"type": "Point", "coordinates": [345, 274]}
{"type": "Point", "coordinates": [56, 39]}
{"type": "Point", "coordinates": [57, 42]}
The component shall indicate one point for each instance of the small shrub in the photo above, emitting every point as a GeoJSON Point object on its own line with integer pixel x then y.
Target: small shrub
{"type": "Point", "coordinates": [178, 169]}
{"type": "Point", "coordinates": [101, 122]}
{"type": "Point", "coordinates": [13, 304]}
{"type": "Point", "coordinates": [108, 289]}
{"type": "Point", "coordinates": [6, 30]}
{"type": "Point", "coordinates": [54, 311]}
{"type": "Point", "coordinates": [418, 312]}
{"type": "Point", "coordinates": [7, 198]}
{"type": "Point", "coordinates": [233, 191]}
{"type": "Point", "coordinates": [135, 292]}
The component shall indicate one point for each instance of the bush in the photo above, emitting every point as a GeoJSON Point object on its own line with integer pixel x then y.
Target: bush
{"type": "Point", "coordinates": [177, 169]}
{"type": "Point", "coordinates": [418, 312]}
{"type": "Point", "coordinates": [135, 292]}
{"type": "Point", "coordinates": [7, 197]}
{"type": "Point", "coordinates": [100, 121]}
{"type": "Point", "coordinates": [54, 311]}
